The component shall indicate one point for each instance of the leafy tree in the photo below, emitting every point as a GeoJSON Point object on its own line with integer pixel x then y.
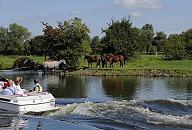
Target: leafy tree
{"type": "Point", "coordinates": [38, 45]}
{"type": "Point", "coordinates": [17, 37]}
{"type": "Point", "coordinates": [159, 41]}
{"type": "Point", "coordinates": [187, 35]}
{"type": "Point", "coordinates": [13, 39]}
{"type": "Point", "coordinates": [175, 48]}
{"type": "Point", "coordinates": [86, 45]}
{"type": "Point", "coordinates": [119, 38]}
{"type": "Point", "coordinates": [3, 39]}
{"type": "Point", "coordinates": [96, 45]}
{"type": "Point", "coordinates": [66, 41]}
{"type": "Point", "coordinates": [188, 49]}
{"type": "Point", "coordinates": [147, 34]}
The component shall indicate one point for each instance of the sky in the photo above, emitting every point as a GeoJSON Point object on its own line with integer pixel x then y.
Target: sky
{"type": "Point", "coordinates": [170, 16]}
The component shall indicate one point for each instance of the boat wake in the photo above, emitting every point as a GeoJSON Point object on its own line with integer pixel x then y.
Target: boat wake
{"type": "Point", "coordinates": [147, 114]}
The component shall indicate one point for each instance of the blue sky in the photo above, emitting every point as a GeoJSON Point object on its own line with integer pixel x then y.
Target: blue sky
{"type": "Point", "coordinates": [170, 16]}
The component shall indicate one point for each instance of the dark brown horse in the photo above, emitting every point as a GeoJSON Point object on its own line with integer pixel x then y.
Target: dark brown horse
{"type": "Point", "coordinates": [105, 59]}
{"type": "Point", "coordinates": [91, 59]}
{"type": "Point", "coordinates": [113, 58]}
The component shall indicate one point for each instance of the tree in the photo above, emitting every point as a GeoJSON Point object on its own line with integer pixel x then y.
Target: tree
{"type": "Point", "coordinates": [159, 41]}
{"type": "Point", "coordinates": [96, 45]}
{"type": "Point", "coordinates": [66, 40]}
{"type": "Point", "coordinates": [188, 49]}
{"type": "Point", "coordinates": [187, 35]}
{"type": "Point", "coordinates": [175, 48]}
{"type": "Point", "coordinates": [13, 39]}
{"type": "Point", "coordinates": [38, 45]}
{"type": "Point", "coordinates": [17, 37]}
{"type": "Point", "coordinates": [119, 38]}
{"type": "Point", "coordinates": [147, 34]}
{"type": "Point", "coordinates": [3, 39]}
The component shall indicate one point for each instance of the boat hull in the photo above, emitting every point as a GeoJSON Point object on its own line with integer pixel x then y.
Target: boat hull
{"type": "Point", "coordinates": [35, 102]}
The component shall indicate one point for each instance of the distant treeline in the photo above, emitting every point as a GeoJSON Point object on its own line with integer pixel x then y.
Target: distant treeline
{"type": "Point", "coordinates": [70, 39]}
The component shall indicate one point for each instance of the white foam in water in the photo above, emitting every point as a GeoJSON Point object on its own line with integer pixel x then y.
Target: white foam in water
{"type": "Point", "coordinates": [183, 102]}
{"type": "Point", "coordinates": [80, 109]}
{"type": "Point", "coordinates": [110, 110]}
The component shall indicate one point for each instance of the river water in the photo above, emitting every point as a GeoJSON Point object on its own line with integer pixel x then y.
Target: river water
{"type": "Point", "coordinates": [110, 103]}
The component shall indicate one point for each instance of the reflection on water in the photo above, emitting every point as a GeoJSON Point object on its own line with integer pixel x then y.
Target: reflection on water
{"type": "Point", "coordinates": [103, 88]}
{"type": "Point", "coordinates": [120, 86]}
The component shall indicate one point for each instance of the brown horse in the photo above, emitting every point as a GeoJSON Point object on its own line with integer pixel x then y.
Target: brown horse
{"type": "Point", "coordinates": [105, 59]}
{"type": "Point", "coordinates": [91, 59]}
{"type": "Point", "coordinates": [113, 58]}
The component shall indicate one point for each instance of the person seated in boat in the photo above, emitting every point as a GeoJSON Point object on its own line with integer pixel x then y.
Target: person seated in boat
{"type": "Point", "coordinates": [37, 88]}
{"type": "Point", "coordinates": [18, 80]}
{"type": "Point", "coordinates": [1, 86]}
{"type": "Point", "coordinates": [10, 90]}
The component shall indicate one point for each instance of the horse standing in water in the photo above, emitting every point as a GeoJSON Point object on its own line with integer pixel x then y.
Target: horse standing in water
{"type": "Point", "coordinates": [91, 59]}
{"type": "Point", "coordinates": [52, 65]}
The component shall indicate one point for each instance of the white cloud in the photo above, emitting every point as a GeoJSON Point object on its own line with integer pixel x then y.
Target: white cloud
{"type": "Point", "coordinates": [75, 12]}
{"type": "Point", "coordinates": [146, 4]}
{"type": "Point", "coordinates": [136, 15]}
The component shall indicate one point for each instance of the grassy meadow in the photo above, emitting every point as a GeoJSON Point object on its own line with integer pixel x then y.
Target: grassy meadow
{"type": "Point", "coordinates": [145, 65]}
{"type": "Point", "coordinates": [149, 62]}
{"type": "Point", "coordinates": [150, 65]}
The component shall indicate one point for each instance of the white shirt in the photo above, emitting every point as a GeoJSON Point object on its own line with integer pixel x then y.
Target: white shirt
{"type": "Point", "coordinates": [18, 88]}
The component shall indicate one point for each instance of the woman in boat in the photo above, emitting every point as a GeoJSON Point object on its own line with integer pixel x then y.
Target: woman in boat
{"type": "Point", "coordinates": [18, 80]}
{"type": "Point", "coordinates": [37, 88]}
{"type": "Point", "coordinates": [10, 90]}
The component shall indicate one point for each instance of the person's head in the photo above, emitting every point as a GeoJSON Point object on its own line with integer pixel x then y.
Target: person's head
{"type": "Point", "coordinates": [36, 81]}
{"type": "Point", "coordinates": [10, 82]}
{"type": "Point", "coordinates": [18, 80]}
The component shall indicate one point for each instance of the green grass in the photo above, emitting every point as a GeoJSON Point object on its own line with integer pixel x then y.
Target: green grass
{"type": "Point", "coordinates": [150, 62]}
{"type": "Point", "coordinates": [6, 62]}
{"type": "Point", "coordinates": [144, 62]}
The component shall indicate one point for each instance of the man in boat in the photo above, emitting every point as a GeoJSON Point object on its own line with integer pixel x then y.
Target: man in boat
{"type": "Point", "coordinates": [37, 88]}
{"type": "Point", "coordinates": [10, 90]}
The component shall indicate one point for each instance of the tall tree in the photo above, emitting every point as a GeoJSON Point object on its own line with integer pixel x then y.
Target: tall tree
{"type": "Point", "coordinates": [119, 37]}
{"type": "Point", "coordinates": [159, 41]}
{"type": "Point", "coordinates": [96, 45]}
{"type": "Point", "coordinates": [3, 39]}
{"type": "Point", "coordinates": [65, 41]}
{"type": "Point", "coordinates": [175, 48]}
{"type": "Point", "coordinates": [17, 37]}
{"type": "Point", "coordinates": [13, 38]}
{"type": "Point", "coordinates": [147, 37]}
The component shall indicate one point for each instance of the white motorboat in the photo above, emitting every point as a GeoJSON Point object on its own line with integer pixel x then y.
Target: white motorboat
{"type": "Point", "coordinates": [32, 102]}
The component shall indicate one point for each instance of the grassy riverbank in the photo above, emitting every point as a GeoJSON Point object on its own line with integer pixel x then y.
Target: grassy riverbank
{"type": "Point", "coordinates": [6, 62]}
{"type": "Point", "coordinates": [146, 65]}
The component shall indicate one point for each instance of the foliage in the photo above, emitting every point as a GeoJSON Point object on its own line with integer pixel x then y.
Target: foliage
{"type": "Point", "coordinates": [159, 41]}
{"type": "Point", "coordinates": [188, 49]}
{"type": "Point", "coordinates": [96, 45]}
{"type": "Point", "coordinates": [175, 48]}
{"type": "Point", "coordinates": [13, 39]}
{"type": "Point", "coordinates": [119, 38]}
{"type": "Point", "coordinates": [187, 35]}
{"type": "Point", "coordinates": [67, 41]}
{"type": "Point", "coordinates": [38, 45]}
{"type": "Point", "coordinates": [147, 34]}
